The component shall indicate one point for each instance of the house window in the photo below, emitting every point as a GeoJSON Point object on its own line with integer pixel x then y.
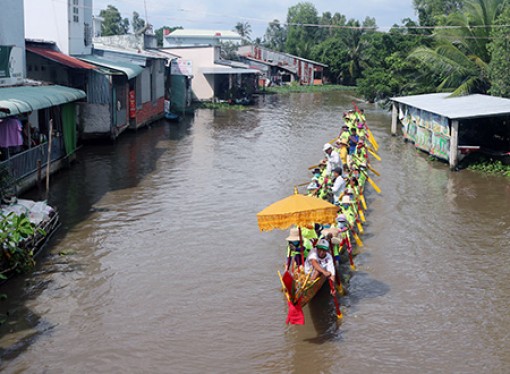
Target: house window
{"type": "Point", "coordinates": [76, 11]}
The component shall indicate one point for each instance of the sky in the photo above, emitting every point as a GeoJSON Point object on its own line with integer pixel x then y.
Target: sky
{"type": "Point", "coordinates": [224, 14]}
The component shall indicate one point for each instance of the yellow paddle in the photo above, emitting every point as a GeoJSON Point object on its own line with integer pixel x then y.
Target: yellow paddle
{"type": "Point", "coordinates": [372, 139]}
{"type": "Point", "coordinates": [362, 215]}
{"type": "Point", "coordinates": [373, 170]}
{"type": "Point", "coordinates": [376, 156]}
{"type": "Point", "coordinates": [372, 183]}
{"type": "Point", "coordinates": [363, 201]}
{"type": "Point", "coordinates": [357, 239]}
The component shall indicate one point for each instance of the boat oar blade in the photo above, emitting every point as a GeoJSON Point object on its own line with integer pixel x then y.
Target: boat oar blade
{"type": "Point", "coordinates": [361, 215]}
{"type": "Point", "coordinates": [333, 295]}
{"type": "Point", "coordinates": [374, 171]}
{"type": "Point", "coordinates": [376, 156]}
{"type": "Point", "coordinates": [359, 243]}
{"type": "Point", "coordinates": [360, 227]}
{"type": "Point", "coordinates": [364, 202]}
{"type": "Point", "coordinates": [374, 186]}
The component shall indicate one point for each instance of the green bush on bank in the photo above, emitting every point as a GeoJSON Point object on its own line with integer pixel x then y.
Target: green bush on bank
{"type": "Point", "coordinates": [15, 256]}
{"type": "Point", "coordinates": [491, 167]}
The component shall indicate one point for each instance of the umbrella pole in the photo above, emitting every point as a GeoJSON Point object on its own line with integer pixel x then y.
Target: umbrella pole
{"type": "Point", "coordinates": [301, 246]}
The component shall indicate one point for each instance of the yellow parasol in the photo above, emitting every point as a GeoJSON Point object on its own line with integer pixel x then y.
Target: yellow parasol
{"type": "Point", "coordinates": [299, 210]}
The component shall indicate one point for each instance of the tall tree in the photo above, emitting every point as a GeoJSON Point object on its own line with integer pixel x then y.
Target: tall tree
{"type": "Point", "coordinates": [499, 48]}
{"type": "Point", "coordinates": [243, 29]}
{"type": "Point", "coordinates": [461, 55]}
{"type": "Point", "coordinates": [113, 23]}
{"type": "Point", "coordinates": [302, 19]}
{"type": "Point", "coordinates": [275, 36]}
{"type": "Point", "coordinates": [433, 12]}
{"type": "Point", "coordinates": [137, 23]}
{"type": "Point", "coordinates": [159, 33]}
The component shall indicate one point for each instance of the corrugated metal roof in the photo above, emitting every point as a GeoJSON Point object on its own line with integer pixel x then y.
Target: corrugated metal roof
{"type": "Point", "coordinates": [458, 107]}
{"type": "Point", "coordinates": [60, 58]}
{"type": "Point", "coordinates": [196, 33]}
{"type": "Point", "coordinates": [25, 99]}
{"type": "Point", "coordinates": [131, 70]}
{"type": "Point", "coordinates": [227, 70]}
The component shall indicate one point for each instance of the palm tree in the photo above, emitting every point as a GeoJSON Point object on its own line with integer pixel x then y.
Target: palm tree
{"type": "Point", "coordinates": [243, 29]}
{"type": "Point", "coordinates": [460, 56]}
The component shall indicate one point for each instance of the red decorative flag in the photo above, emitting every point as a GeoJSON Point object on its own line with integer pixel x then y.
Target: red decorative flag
{"type": "Point", "coordinates": [296, 315]}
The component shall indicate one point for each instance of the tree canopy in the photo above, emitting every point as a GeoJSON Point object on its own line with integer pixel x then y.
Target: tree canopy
{"type": "Point", "coordinates": [458, 46]}
{"type": "Point", "coordinates": [113, 23]}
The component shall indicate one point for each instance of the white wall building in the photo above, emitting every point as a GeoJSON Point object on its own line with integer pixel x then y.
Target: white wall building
{"type": "Point", "coordinates": [68, 23]}
{"type": "Point", "coordinates": [12, 44]}
{"type": "Point", "coordinates": [194, 38]}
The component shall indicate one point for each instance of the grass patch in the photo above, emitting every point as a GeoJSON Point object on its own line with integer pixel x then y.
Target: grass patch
{"type": "Point", "coordinates": [308, 89]}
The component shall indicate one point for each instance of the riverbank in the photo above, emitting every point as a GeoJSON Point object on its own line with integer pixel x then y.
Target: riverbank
{"type": "Point", "coordinates": [307, 89]}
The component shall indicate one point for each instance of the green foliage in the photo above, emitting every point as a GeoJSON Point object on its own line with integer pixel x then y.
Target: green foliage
{"type": "Point", "coordinates": [433, 12]}
{"type": "Point", "coordinates": [137, 23]}
{"type": "Point", "coordinates": [491, 167]}
{"type": "Point", "coordinates": [499, 48]}
{"type": "Point", "coordinates": [159, 33]}
{"type": "Point", "coordinates": [113, 23]}
{"type": "Point", "coordinates": [276, 36]}
{"type": "Point", "coordinates": [300, 37]}
{"type": "Point", "coordinates": [460, 53]}
{"type": "Point", "coordinates": [408, 59]}
{"type": "Point", "coordinates": [244, 30]}
{"type": "Point", "coordinates": [14, 232]}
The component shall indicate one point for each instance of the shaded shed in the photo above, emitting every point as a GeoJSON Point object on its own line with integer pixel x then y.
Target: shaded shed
{"type": "Point", "coordinates": [449, 127]}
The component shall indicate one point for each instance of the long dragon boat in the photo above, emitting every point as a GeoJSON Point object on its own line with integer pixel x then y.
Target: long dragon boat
{"type": "Point", "coordinates": [297, 285]}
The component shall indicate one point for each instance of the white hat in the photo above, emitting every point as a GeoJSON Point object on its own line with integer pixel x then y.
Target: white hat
{"type": "Point", "coordinates": [341, 218]}
{"type": "Point", "coordinates": [326, 147]}
{"type": "Point", "coordinates": [332, 230]}
{"type": "Point", "coordinates": [323, 244]}
{"type": "Point", "coordinates": [346, 199]}
{"type": "Point", "coordinates": [293, 235]}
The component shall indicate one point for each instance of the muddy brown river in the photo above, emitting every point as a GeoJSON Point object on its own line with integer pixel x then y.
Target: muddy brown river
{"type": "Point", "coordinates": [159, 266]}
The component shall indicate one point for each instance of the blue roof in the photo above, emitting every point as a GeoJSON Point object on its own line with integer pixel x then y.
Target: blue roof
{"type": "Point", "coordinates": [24, 99]}
{"type": "Point", "coordinates": [131, 70]}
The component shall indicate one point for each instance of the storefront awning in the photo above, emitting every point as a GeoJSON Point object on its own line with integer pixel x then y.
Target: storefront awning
{"type": "Point", "coordinates": [60, 58]}
{"type": "Point", "coordinates": [227, 70]}
{"type": "Point", "coordinates": [131, 70]}
{"type": "Point", "coordinates": [24, 99]}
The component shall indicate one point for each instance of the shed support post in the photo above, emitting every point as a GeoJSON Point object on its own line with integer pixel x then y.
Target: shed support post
{"type": "Point", "coordinates": [394, 119]}
{"type": "Point", "coordinates": [454, 143]}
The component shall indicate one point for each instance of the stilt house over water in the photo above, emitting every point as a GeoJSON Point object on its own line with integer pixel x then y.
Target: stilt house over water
{"type": "Point", "coordinates": [450, 127]}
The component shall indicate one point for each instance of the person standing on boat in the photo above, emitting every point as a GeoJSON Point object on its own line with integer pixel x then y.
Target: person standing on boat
{"type": "Point", "coordinates": [332, 158]}
{"type": "Point", "coordinates": [353, 140]}
{"type": "Point", "coordinates": [344, 133]}
{"type": "Point", "coordinates": [361, 129]}
{"type": "Point", "coordinates": [343, 151]}
{"type": "Point", "coordinates": [320, 262]}
{"type": "Point", "coordinates": [296, 249]}
{"type": "Point", "coordinates": [338, 185]}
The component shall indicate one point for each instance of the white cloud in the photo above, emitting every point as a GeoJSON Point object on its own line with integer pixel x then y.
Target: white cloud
{"type": "Point", "coordinates": [225, 14]}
